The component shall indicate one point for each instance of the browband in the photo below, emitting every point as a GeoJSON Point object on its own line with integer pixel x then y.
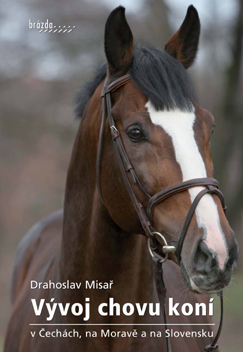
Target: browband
{"type": "Point", "coordinates": [119, 82]}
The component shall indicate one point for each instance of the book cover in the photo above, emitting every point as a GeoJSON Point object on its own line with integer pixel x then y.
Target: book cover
{"type": "Point", "coordinates": [127, 118]}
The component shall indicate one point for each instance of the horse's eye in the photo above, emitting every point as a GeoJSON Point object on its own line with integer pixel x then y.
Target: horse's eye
{"type": "Point", "coordinates": [135, 134]}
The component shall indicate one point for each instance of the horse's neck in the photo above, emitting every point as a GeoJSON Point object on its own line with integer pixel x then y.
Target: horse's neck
{"type": "Point", "coordinates": [94, 247]}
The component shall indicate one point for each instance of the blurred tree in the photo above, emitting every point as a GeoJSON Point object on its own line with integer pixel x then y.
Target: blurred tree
{"type": "Point", "coordinates": [156, 24]}
{"type": "Point", "coordinates": [231, 160]}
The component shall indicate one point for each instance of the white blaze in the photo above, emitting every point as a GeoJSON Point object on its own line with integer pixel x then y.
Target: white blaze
{"type": "Point", "coordinates": [179, 126]}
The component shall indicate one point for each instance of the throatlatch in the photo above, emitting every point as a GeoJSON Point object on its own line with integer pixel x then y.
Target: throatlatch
{"type": "Point", "coordinates": [211, 187]}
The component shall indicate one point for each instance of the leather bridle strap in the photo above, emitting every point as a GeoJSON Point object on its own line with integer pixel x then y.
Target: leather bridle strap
{"type": "Point", "coordinates": [99, 150]}
{"type": "Point", "coordinates": [209, 189]}
{"type": "Point", "coordinates": [124, 163]}
{"type": "Point", "coordinates": [213, 346]}
{"type": "Point", "coordinates": [122, 159]}
{"type": "Point", "coordinates": [161, 291]}
{"type": "Point", "coordinates": [179, 187]}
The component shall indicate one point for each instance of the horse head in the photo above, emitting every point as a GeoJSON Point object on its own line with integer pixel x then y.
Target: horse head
{"type": "Point", "coordinates": [166, 135]}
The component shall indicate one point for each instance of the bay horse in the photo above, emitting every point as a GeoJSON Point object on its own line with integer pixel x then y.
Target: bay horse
{"type": "Point", "coordinates": [99, 239]}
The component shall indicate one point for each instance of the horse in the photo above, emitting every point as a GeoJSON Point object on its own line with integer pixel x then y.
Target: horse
{"type": "Point", "coordinates": [98, 242]}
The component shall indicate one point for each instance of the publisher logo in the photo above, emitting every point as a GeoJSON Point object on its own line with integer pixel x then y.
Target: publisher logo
{"type": "Point", "coordinates": [49, 27]}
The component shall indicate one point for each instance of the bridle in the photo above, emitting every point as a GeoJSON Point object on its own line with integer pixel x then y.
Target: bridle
{"type": "Point", "coordinates": [211, 187]}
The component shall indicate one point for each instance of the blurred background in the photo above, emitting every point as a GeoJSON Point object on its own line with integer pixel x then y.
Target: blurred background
{"type": "Point", "coordinates": [40, 74]}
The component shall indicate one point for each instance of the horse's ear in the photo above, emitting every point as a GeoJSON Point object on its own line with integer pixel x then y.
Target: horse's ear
{"type": "Point", "coordinates": [183, 44]}
{"type": "Point", "coordinates": [118, 43]}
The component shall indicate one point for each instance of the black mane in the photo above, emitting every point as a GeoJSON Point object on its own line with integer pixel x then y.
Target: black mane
{"type": "Point", "coordinates": [157, 74]}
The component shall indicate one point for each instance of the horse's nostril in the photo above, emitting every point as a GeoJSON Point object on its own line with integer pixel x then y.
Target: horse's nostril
{"type": "Point", "coordinates": [204, 259]}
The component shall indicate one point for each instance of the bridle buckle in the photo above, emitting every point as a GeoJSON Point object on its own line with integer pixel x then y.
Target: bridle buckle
{"type": "Point", "coordinates": [169, 249]}
{"type": "Point", "coordinates": [165, 249]}
{"type": "Point", "coordinates": [114, 132]}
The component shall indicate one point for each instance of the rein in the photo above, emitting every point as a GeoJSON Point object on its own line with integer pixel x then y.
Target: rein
{"type": "Point", "coordinates": [145, 216]}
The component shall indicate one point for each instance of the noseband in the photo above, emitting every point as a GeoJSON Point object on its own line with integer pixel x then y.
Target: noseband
{"type": "Point", "coordinates": [145, 216]}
